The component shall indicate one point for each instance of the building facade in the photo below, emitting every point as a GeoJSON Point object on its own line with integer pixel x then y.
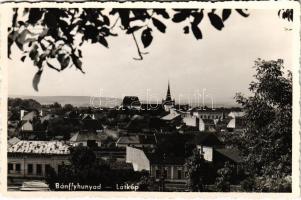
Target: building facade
{"type": "Point", "coordinates": [32, 159]}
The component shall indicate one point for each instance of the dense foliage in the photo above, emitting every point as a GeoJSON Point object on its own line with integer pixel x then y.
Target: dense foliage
{"type": "Point", "coordinates": [268, 139]}
{"type": "Point", "coordinates": [27, 104]}
{"type": "Point", "coordinates": [224, 176]}
{"type": "Point", "coordinates": [196, 172]}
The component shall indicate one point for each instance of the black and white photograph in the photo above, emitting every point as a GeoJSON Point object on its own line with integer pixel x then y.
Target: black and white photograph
{"type": "Point", "coordinates": [152, 98]}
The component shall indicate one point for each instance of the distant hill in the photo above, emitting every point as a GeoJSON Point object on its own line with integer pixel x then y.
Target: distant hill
{"type": "Point", "coordinates": [85, 101]}
{"type": "Point", "coordinates": [80, 101]}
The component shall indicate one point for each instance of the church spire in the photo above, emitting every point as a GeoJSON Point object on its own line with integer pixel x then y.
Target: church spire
{"type": "Point", "coordinates": [168, 95]}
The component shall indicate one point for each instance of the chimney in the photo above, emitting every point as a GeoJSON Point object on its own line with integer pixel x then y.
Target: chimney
{"type": "Point", "coordinates": [21, 114]}
{"type": "Point", "coordinates": [197, 122]}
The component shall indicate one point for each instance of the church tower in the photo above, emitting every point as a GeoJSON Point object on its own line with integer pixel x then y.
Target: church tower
{"type": "Point", "coordinates": [168, 103]}
{"type": "Point", "coordinates": [168, 95]}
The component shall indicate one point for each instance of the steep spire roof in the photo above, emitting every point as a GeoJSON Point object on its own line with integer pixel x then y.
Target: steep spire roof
{"type": "Point", "coordinates": [168, 95]}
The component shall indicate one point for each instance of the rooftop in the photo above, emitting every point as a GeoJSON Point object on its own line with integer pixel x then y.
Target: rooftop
{"type": "Point", "coordinates": [91, 124]}
{"type": "Point", "coordinates": [157, 158]}
{"type": "Point", "coordinates": [137, 139]}
{"type": "Point", "coordinates": [232, 154]}
{"type": "Point", "coordinates": [170, 116]}
{"type": "Point", "coordinates": [39, 147]}
{"type": "Point", "coordinates": [87, 135]}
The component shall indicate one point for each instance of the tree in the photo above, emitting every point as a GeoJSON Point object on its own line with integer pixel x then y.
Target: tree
{"type": "Point", "coordinates": [55, 45]}
{"type": "Point", "coordinates": [82, 157]}
{"type": "Point", "coordinates": [147, 183]}
{"type": "Point", "coordinates": [68, 107]}
{"type": "Point", "coordinates": [28, 104]}
{"type": "Point", "coordinates": [224, 177]}
{"type": "Point", "coordinates": [196, 171]}
{"type": "Point", "coordinates": [268, 138]}
{"type": "Point", "coordinates": [61, 127]}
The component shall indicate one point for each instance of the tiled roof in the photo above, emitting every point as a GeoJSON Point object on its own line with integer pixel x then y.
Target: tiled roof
{"type": "Point", "coordinates": [87, 135]}
{"type": "Point", "coordinates": [121, 166]}
{"type": "Point", "coordinates": [205, 138]}
{"type": "Point", "coordinates": [13, 141]}
{"type": "Point", "coordinates": [128, 140]}
{"type": "Point", "coordinates": [234, 114]}
{"type": "Point", "coordinates": [170, 116]}
{"type": "Point", "coordinates": [138, 122]}
{"type": "Point", "coordinates": [29, 116]}
{"type": "Point", "coordinates": [48, 117]}
{"type": "Point", "coordinates": [24, 122]}
{"type": "Point", "coordinates": [39, 147]}
{"type": "Point", "coordinates": [232, 154]}
{"type": "Point", "coordinates": [157, 158]}
{"type": "Point", "coordinates": [137, 139]}
{"type": "Point", "coordinates": [237, 122]}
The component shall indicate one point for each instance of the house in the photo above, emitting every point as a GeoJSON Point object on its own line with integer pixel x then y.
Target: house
{"type": "Point", "coordinates": [32, 159]}
{"type": "Point", "coordinates": [12, 141]}
{"type": "Point", "coordinates": [48, 117]}
{"type": "Point", "coordinates": [169, 170]}
{"type": "Point", "coordinates": [233, 156]}
{"type": "Point", "coordinates": [207, 125]}
{"type": "Point", "coordinates": [235, 114]}
{"type": "Point", "coordinates": [138, 123]}
{"type": "Point", "coordinates": [87, 138]}
{"type": "Point", "coordinates": [87, 116]}
{"type": "Point", "coordinates": [237, 124]}
{"type": "Point", "coordinates": [91, 125]}
{"type": "Point", "coordinates": [208, 114]}
{"type": "Point", "coordinates": [26, 126]}
{"type": "Point", "coordinates": [27, 116]}
{"type": "Point", "coordinates": [173, 118]}
{"type": "Point", "coordinates": [228, 155]}
{"type": "Point", "coordinates": [33, 135]}
{"type": "Point", "coordinates": [137, 157]}
{"type": "Point", "coordinates": [206, 142]}
{"type": "Point", "coordinates": [131, 102]}
{"type": "Point", "coordinates": [190, 120]}
{"type": "Point", "coordinates": [201, 124]}
{"type": "Point", "coordinates": [136, 140]}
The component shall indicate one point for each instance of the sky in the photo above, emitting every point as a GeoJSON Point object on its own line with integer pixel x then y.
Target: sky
{"type": "Point", "coordinates": [221, 64]}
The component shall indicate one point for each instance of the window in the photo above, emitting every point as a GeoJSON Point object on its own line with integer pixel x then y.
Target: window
{"type": "Point", "coordinates": [91, 143]}
{"type": "Point", "coordinates": [59, 169]}
{"type": "Point", "coordinates": [39, 169]}
{"type": "Point", "coordinates": [157, 173]}
{"type": "Point", "coordinates": [47, 168]}
{"type": "Point", "coordinates": [179, 174]}
{"type": "Point", "coordinates": [29, 169]}
{"type": "Point", "coordinates": [165, 173]}
{"type": "Point", "coordinates": [18, 167]}
{"type": "Point", "coordinates": [10, 167]}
